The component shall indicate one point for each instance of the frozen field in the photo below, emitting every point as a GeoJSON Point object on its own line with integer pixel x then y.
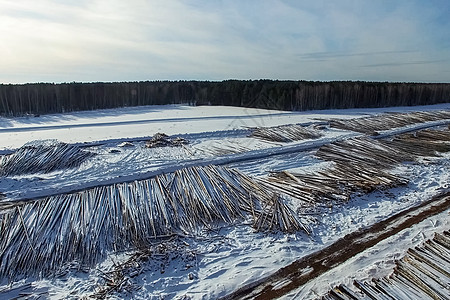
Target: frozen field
{"type": "Point", "coordinates": [218, 259]}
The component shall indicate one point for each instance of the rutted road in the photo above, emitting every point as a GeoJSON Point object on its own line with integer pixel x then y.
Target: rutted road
{"type": "Point", "coordinates": [305, 269]}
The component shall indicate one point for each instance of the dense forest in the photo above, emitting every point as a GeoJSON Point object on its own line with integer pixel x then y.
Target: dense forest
{"type": "Point", "coordinates": [42, 98]}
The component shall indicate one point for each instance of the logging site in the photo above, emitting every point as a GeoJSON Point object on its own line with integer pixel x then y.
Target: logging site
{"type": "Point", "coordinates": [224, 150]}
{"type": "Point", "coordinates": [221, 202]}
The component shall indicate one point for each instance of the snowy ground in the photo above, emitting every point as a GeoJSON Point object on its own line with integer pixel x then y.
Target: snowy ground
{"type": "Point", "coordinates": [145, 121]}
{"type": "Point", "coordinates": [218, 262]}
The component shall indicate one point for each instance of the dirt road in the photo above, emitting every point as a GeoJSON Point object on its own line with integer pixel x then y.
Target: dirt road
{"type": "Point", "coordinates": [303, 270]}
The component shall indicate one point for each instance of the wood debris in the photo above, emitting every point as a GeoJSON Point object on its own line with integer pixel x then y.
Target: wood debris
{"type": "Point", "coordinates": [219, 149]}
{"type": "Point", "coordinates": [119, 278]}
{"type": "Point", "coordinates": [422, 143]}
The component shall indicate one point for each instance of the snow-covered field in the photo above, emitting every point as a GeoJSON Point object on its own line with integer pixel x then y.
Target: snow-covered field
{"type": "Point", "coordinates": [218, 261]}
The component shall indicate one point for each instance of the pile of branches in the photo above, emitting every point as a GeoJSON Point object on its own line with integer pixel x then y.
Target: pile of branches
{"type": "Point", "coordinates": [370, 125]}
{"type": "Point", "coordinates": [423, 273]}
{"type": "Point", "coordinates": [42, 157]}
{"type": "Point", "coordinates": [284, 133]}
{"type": "Point", "coordinates": [163, 140]}
{"type": "Point", "coordinates": [41, 236]}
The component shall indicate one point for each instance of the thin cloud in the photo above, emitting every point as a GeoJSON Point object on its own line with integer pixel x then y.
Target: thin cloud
{"type": "Point", "coordinates": [397, 64]}
{"type": "Point", "coordinates": [331, 55]}
{"type": "Point", "coordinates": [112, 40]}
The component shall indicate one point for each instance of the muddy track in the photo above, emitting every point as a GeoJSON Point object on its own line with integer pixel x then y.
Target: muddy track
{"type": "Point", "coordinates": [309, 267]}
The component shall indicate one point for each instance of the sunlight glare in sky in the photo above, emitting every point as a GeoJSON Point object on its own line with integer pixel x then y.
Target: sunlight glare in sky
{"type": "Point", "coordinates": [99, 40]}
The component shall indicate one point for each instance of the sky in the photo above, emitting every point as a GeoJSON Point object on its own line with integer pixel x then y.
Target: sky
{"type": "Point", "coordinates": [138, 40]}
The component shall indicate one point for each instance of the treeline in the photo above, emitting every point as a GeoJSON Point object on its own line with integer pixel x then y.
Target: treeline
{"type": "Point", "coordinates": [43, 98]}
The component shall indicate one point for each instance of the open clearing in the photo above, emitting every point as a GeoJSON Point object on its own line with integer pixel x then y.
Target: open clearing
{"type": "Point", "coordinates": [218, 202]}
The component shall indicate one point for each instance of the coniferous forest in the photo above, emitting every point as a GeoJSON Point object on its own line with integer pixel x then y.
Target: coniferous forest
{"type": "Point", "coordinates": [43, 98]}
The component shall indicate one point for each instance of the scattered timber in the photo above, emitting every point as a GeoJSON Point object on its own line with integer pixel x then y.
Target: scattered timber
{"type": "Point", "coordinates": [41, 236]}
{"type": "Point", "coordinates": [423, 273]}
{"type": "Point", "coordinates": [42, 157]}
{"type": "Point", "coordinates": [422, 143]}
{"type": "Point", "coordinates": [373, 124]}
{"type": "Point", "coordinates": [284, 133]}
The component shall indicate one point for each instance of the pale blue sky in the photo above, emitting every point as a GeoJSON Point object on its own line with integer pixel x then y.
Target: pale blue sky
{"type": "Point", "coordinates": [112, 40]}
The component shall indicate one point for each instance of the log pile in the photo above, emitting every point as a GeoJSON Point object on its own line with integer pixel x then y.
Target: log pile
{"type": "Point", "coordinates": [41, 236]}
{"type": "Point", "coordinates": [284, 133]}
{"type": "Point", "coordinates": [363, 151]}
{"type": "Point", "coordinates": [373, 124]}
{"type": "Point", "coordinates": [423, 273]}
{"type": "Point", "coordinates": [360, 165]}
{"type": "Point", "coordinates": [42, 157]}
{"type": "Point", "coordinates": [422, 143]}
{"type": "Point", "coordinates": [336, 185]}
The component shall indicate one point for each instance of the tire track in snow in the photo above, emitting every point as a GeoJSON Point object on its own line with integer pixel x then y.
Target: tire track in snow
{"type": "Point", "coordinates": [222, 160]}
{"type": "Point", "coordinates": [134, 122]}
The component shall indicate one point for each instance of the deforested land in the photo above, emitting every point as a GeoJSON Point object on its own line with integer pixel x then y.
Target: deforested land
{"type": "Point", "coordinates": [218, 200]}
